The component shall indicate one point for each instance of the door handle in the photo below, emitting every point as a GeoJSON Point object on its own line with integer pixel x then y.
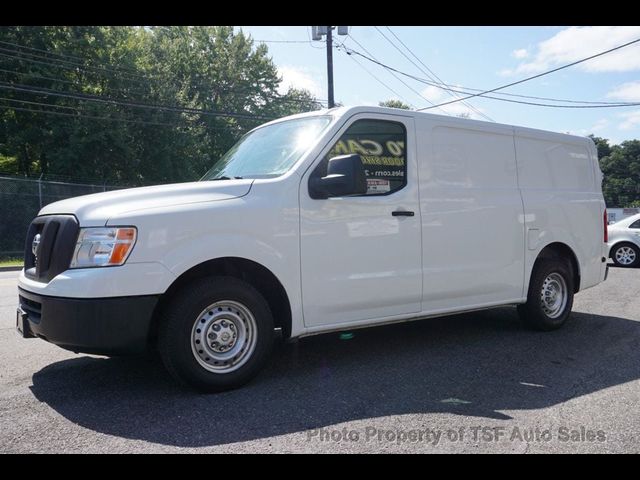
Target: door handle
{"type": "Point", "coordinates": [402, 213]}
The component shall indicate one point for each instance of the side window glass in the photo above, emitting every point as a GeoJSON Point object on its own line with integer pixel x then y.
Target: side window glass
{"type": "Point", "coordinates": [635, 224]}
{"type": "Point", "coordinates": [382, 146]}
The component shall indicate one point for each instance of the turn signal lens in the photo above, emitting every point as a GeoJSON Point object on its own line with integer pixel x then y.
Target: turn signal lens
{"type": "Point", "coordinates": [102, 247]}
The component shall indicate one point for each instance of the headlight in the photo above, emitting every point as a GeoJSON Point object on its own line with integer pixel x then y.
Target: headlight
{"type": "Point", "coordinates": [103, 247]}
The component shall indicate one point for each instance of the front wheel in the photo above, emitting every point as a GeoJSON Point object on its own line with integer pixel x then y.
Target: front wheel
{"type": "Point", "coordinates": [625, 255]}
{"type": "Point", "coordinates": [216, 334]}
{"type": "Point", "coordinates": [550, 296]}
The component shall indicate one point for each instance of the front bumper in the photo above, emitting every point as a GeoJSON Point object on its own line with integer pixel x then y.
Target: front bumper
{"type": "Point", "coordinates": [128, 280]}
{"type": "Point", "coordinates": [107, 326]}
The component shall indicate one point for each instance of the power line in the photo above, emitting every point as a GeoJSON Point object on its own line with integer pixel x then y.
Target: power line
{"type": "Point", "coordinates": [483, 94]}
{"type": "Point", "coordinates": [94, 117]}
{"type": "Point", "coordinates": [30, 75]}
{"type": "Point", "coordinates": [48, 52]}
{"type": "Point", "coordinates": [49, 64]}
{"type": "Point", "coordinates": [109, 100]}
{"type": "Point", "coordinates": [281, 41]}
{"type": "Point", "coordinates": [69, 62]}
{"type": "Point", "coordinates": [393, 74]}
{"type": "Point", "coordinates": [104, 69]}
{"type": "Point", "coordinates": [549, 99]}
{"type": "Point", "coordinates": [239, 92]}
{"type": "Point", "coordinates": [428, 72]}
{"type": "Point", "coordinates": [443, 83]}
{"type": "Point", "coordinates": [541, 75]}
{"type": "Point", "coordinates": [136, 90]}
{"type": "Point", "coordinates": [381, 82]}
{"type": "Point", "coordinates": [13, 100]}
{"type": "Point", "coordinates": [262, 95]}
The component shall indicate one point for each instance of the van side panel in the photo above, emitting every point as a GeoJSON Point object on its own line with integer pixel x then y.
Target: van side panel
{"type": "Point", "coordinates": [472, 215]}
{"type": "Point", "coordinates": [562, 199]}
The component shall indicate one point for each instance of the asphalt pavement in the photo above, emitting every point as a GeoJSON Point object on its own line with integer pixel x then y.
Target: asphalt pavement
{"type": "Point", "coordinates": [475, 382]}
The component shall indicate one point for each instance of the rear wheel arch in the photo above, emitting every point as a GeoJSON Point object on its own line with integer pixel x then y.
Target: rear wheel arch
{"type": "Point", "coordinates": [558, 251]}
{"type": "Point", "coordinates": [255, 274]}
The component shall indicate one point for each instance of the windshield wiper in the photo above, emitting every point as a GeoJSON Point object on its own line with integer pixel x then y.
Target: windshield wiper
{"type": "Point", "coordinates": [225, 178]}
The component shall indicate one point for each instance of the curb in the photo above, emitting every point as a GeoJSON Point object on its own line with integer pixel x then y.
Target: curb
{"type": "Point", "coordinates": [11, 269]}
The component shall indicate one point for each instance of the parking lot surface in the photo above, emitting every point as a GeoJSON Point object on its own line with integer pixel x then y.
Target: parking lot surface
{"type": "Point", "coordinates": [476, 382]}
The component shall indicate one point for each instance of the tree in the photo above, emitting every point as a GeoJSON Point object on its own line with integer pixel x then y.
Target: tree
{"type": "Point", "coordinates": [392, 103]}
{"type": "Point", "coordinates": [121, 74]}
{"type": "Point", "coordinates": [294, 101]}
{"type": "Point", "coordinates": [602, 144]}
{"type": "Point", "coordinates": [621, 169]}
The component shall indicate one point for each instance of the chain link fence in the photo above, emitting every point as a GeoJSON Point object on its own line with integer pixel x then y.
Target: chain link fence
{"type": "Point", "coordinates": [21, 198]}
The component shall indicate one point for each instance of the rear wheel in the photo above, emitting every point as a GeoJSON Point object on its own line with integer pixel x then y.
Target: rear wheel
{"type": "Point", "coordinates": [626, 255]}
{"type": "Point", "coordinates": [216, 334]}
{"type": "Point", "coordinates": [550, 296]}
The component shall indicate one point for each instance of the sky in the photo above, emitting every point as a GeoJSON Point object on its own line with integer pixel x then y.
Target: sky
{"type": "Point", "coordinates": [475, 57]}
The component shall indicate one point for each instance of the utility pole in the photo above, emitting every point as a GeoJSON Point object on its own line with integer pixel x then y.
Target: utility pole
{"type": "Point", "coordinates": [330, 67]}
{"type": "Point", "coordinates": [317, 33]}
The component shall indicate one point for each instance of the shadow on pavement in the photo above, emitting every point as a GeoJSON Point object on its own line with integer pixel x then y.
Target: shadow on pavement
{"type": "Point", "coordinates": [473, 364]}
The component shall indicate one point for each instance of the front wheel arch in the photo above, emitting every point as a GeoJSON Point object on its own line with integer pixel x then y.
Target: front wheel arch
{"type": "Point", "coordinates": [257, 275]}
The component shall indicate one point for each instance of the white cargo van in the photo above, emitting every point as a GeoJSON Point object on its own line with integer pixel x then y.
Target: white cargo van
{"type": "Point", "coordinates": [320, 222]}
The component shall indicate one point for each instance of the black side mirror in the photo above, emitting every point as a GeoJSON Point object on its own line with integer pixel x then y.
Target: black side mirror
{"type": "Point", "coordinates": [345, 176]}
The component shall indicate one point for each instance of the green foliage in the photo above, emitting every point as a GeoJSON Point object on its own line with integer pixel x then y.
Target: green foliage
{"type": "Point", "coordinates": [204, 68]}
{"type": "Point", "coordinates": [602, 144]}
{"type": "Point", "coordinates": [620, 165]}
{"type": "Point", "coordinates": [11, 262]}
{"type": "Point", "coordinates": [395, 104]}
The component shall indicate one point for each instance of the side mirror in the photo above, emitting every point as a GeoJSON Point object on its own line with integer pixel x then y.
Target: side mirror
{"type": "Point", "coordinates": [345, 176]}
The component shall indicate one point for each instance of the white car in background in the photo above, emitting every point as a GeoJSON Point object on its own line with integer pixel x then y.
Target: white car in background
{"type": "Point", "coordinates": [624, 242]}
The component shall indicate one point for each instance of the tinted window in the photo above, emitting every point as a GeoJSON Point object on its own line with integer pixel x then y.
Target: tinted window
{"type": "Point", "coordinates": [635, 224]}
{"type": "Point", "coordinates": [382, 146]}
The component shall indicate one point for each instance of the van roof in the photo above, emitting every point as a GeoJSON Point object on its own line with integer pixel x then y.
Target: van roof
{"type": "Point", "coordinates": [519, 130]}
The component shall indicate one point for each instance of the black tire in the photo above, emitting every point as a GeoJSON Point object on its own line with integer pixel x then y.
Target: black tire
{"type": "Point", "coordinates": [633, 247]}
{"type": "Point", "coordinates": [533, 313]}
{"type": "Point", "coordinates": [178, 325]}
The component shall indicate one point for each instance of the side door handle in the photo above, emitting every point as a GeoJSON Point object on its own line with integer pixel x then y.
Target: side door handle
{"type": "Point", "coordinates": [402, 213]}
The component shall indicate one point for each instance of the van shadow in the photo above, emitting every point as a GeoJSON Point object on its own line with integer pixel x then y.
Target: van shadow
{"type": "Point", "coordinates": [473, 364]}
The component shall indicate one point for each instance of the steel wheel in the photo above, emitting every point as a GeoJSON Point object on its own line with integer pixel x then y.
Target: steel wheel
{"type": "Point", "coordinates": [224, 336]}
{"type": "Point", "coordinates": [553, 295]}
{"type": "Point", "coordinates": [625, 255]}
{"type": "Point", "coordinates": [550, 294]}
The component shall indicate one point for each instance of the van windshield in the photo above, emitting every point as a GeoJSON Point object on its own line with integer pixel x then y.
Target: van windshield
{"type": "Point", "coordinates": [269, 151]}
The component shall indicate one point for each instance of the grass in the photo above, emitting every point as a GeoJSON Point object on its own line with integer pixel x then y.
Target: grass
{"type": "Point", "coordinates": [11, 262]}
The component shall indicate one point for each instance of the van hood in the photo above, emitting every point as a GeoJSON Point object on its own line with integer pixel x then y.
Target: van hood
{"type": "Point", "coordinates": [98, 208]}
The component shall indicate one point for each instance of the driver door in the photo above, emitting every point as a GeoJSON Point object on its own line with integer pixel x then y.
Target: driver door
{"type": "Point", "coordinates": [361, 255]}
